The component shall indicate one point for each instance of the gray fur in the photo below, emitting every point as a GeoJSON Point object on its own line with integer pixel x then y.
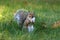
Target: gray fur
{"type": "Point", "coordinates": [20, 16]}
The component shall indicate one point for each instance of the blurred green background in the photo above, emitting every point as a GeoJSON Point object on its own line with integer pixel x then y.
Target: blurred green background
{"type": "Point", "coordinates": [46, 11]}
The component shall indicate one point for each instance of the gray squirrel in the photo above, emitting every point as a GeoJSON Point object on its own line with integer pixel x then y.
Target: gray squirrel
{"type": "Point", "coordinates": [20, 17]}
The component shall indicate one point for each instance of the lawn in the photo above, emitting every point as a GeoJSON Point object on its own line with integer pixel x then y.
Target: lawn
{"type": "Point", "coordinates": [46, 11]}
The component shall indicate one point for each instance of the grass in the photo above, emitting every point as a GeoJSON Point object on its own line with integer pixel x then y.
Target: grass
{"type": "Point", "coordinates": [45, 11]}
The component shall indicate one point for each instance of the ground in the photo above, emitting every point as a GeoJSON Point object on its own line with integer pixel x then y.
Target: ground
{"type": "Point", "coordinates": [46, 11]}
